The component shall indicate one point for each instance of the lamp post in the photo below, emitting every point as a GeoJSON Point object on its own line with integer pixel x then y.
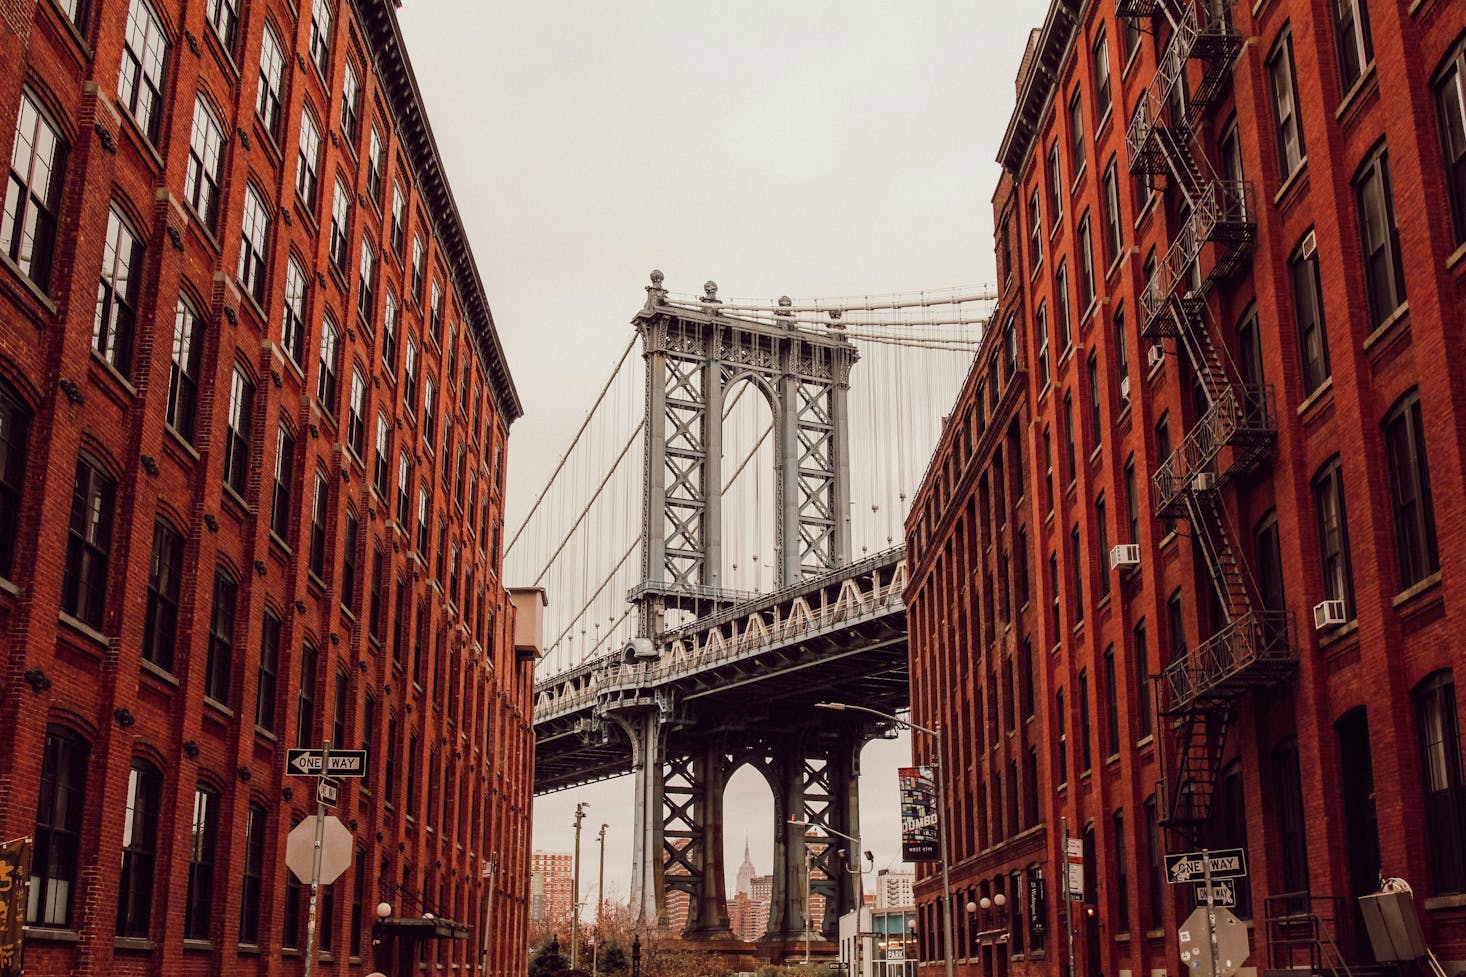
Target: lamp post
{"type": "Point", "coordinates": [600, 903]}
{"type": "Point", "coordinates": [859, 888]}
{"type": "Point", "coordinates": [580, 807]}
{"type": "Point", "coordinates": [936, 734]}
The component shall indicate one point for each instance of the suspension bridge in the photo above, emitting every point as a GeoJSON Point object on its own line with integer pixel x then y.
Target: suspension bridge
{"type": "Point", "coordinates": [721, 545]}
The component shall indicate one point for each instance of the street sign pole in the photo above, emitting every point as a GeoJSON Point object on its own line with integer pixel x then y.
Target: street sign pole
{"type": "Point", "coordinates": [1211, 911]}
{"type": "Point", "coordinates": [310, 929]}
{"type": "Point", "coordinates": [1068, 898]}
{"type": "Point", "coordinates": [488, 873]}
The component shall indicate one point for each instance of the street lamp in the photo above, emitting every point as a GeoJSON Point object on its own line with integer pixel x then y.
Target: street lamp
{"type": "Point", "coordinates": [859, 886]}
{"type": "Point", "coordinates": [936, 734]}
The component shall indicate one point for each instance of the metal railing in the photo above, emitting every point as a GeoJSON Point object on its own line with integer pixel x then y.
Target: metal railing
{"type": "Point", "coordinates": [1220, 211]}
{"type": "Point", "coordinates": [1241, 416]}
{"type": "Point", "coordinates": [1250, 650]}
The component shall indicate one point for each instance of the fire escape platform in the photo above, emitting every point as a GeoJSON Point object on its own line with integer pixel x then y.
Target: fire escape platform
{"type": "Point", "coordinates": [1250, 652]}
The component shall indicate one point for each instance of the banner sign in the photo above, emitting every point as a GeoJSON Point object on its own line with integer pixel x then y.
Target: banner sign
{"type": "Point", "coordinates": [15, 875]}
{"type": "Point", "coordinates": [919, 827]}
{"type": "Point", "coordinates": [1038, 903]}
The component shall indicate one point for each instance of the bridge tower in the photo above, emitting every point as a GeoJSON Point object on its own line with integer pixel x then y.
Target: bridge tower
{"type": "Point", "coordinates": [693, 354]}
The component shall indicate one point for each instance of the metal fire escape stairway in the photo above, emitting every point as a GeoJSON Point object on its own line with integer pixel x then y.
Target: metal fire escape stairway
{"type": "Point", "coordinates": [1198, 690]}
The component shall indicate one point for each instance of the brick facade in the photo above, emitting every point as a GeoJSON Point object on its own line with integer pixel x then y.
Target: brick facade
{"type": "Point", "coordinates": [1336, 754]}
{"type": "Point", "coordinates": [140, 673]}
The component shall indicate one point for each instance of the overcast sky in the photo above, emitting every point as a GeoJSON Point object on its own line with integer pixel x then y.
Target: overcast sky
{"type": "Point", "coordinates": [802, 147]}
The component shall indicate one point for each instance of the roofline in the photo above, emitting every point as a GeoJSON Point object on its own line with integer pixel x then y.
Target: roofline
{"type": "Point", "coordinates": [1040, 82]}
{"type": "Point", "coordinates": [384, 38]}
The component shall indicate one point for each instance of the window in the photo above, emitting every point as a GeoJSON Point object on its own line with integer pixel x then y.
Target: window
{"type": "Point", "coordinates": [1102, 530]}
{"type": "Point", "coordinates": [1048, 471]}
{"type": "Point", "coordinates": [1071, 453]}
{"type": "Point", "coordinates": [409, 800]}
{"type": "Point", "coordinates": [139, 850]}
{"type": "Point", "coordinates": [294, 911]}
{"type": "Point", "coordinates": [236, 441]}
{"type": "Point", "coordinates": [320, 40]}
{"type": "Point", "coordinates": [404, 488]}
{"type": "Point", "coordinates": [144, 54]}
{"type": "Point", "coordinates": [1035, 231]}
{"type": "Point", "coordinates": [399, 220]}
{"type": "Point", "coordinates": [254, 243]}
{"type": "Point", "coordinates": [1122, 873]}
{"type": "Point", "coordinates": [349, 540]}
{"type": "Point", "coordinates": [1415, 541]}
{"type": "Point", "coordinates": [223, 16]}
{"type": "Point", "coordinates": [350, 104]}
{"type": "Point", "coordinates": [356, 414]}
{"type": "Point", "coordinates": [266, 681]}
{"type": "Point", "coordinates": [1065, 332]}
{"type": "Point", "coordinates": [382, 463]}
{"type": "Point", "coordinates": [308, 161]}
{"type": "Point", "coordinates": [1062, 740]}
{"type": "Point", "coordinates": [1288, 803]}
{"type": "Point", "coordinates": [1085, 753]}
{"type": "Point", "coordinates": [1076, 134]}
{"type": "Point", "coordinates": [389, 772]}
{"type": "Point", "coordinates": [1285, 106]}
{"type": "Point", "coordinates": [269, 93]}
{"type": "Point", "coordinates": [338, 708]}
{"type": "Point", "coordinates": [1450, 103]}
{"type": "Point", "coordinates": [320, 510]}
{"type": "Point", "coordinates": [33, 195]}
{"type": "Point", "coordinates": [1114, 240]}
{"type": "Point", "coordinates": [1155, 881]}
{"type": "Point", "coordinates": [292, 324]}
{"type": "Point", "coordinates": [1176, 624]}
{"type": "Point", "coordinates": [377, 610]}
{"type": "Point", "coordinates": [409, 377]}
{"type": "Point", "coordinates": [205, 162]}
{"type": "Point", "coordinates": [203, 850]}
{"type": "Point", "coordinates": [376, 166]}
{"type": "Point", "coordinates": [1076, 559]}
{"type": "Point", "coordinates": [1228, 828]}
{"type": "Point", "coordinates": [1384, 278]}
{"type": "Point", "coordinates": [1101, 78]}
{"type": "Point", "coordinates": [423, 530]}
{"type": "Point", "coordinates": [1056, 189]}
{"type": "Point", "coordinates": [389, 333]}
{"type": "Point", "coordinates": [1269, 564]}
{"type": "Point", "coordinates": [89, 543]}
{"type": "Point", "coordinates": [326, 378]}
{"type": "Point", "coordinates": [220, 665]}
{"type": "Point", "coordinates": [429, 428]}
{"type": "Point", "coordinates": [417, 269]}
{"type": "Point", "coordinates": [1333, 535]}
{"type": "Point", "coordinates": [117, 294]}
{"type": "Point", "coordinates": [1351, 36]}
{"type": "Point", "coordinates": [1141, 659]}
{"type": "Point", "coordinates": [1313, 341]}
{"type": "Point", "coordinates": [183, 372]}
{"type": "Point", "coordinates": [165, 574]}
{"type": "Point", "coordinates": [15, 421]}
{"type": "Point", "coordinates": [58, 829]}
{"type": "Point", "coordinates": [1445, 791]}
{"type": "Point", "coordinates": [1041, 322]}
{"type": "Point", "coordinates": [305, 706]}
{"type": "Point", "coordinates": [1086, 264]}
{"type": "Point", "coordinates": [1132, 501]}
{"type": "Point", "coordinates": [340, 225]}
{"type": "Point", "coordinates": [1055, 616]}
{"type": "Point", "coordinates": [435, 314]}
{"type": "Point", "coordinates": [253, 883]}
{"type": "Point", "coordinates": [366, 299]}
{"type": "Point", "coordinates": [1132, 39]}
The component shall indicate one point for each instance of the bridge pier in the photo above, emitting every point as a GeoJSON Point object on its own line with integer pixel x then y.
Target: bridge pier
{"type": "Point", "coordinates": [648, 900]}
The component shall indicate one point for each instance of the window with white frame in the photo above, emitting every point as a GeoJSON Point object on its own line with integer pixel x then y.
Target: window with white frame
{"type": "Point", "coordinates": [205, 163]}
{"type": "Point", "coordinates": [326, 375]}
{"type": "Point", "coordinates": [308, 160]}
{"type": "Point", "coordinates": [269, 94]}
{"type": "Point", "coordinates": [399, 220]}
{"type": "Point", "coordinates": [320, 40]}
{"type": "Point", "coordinates": [292, 323]}
{"type": "Point", "coordinates": [33, 194]}
{"type": "Point", "coordinates": [389, 333]}
{"type": "Point", "coordinates": [223, 16]}
{"type": "Point", "coordinates": [144, 57]}
{"type": "Point", "coordinates": [351, 104]}
{"type": "Point", "coordinates": [340, 225]}
{"type": "Point", "coordinates": [1289, 126]}
{"type": "Point", "coordinates": [254, 240]}
{"type": "Point", "coordinates": [356, 414]}
{"type": "Point", "coordinates": [117, 294]}
{"type": "Point", "coordinates": [366, 299]}
{"type": "Point", "coordinates": [1352, 42]}
{"type": "Point", "coordinates": [376, 166]}
{"type": "Point", "coordinates": [183, 371]}
{"type": "Point", "coordinates": [236, 439]}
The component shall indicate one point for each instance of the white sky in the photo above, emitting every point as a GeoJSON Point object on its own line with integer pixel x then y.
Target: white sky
{"type": "Point", "coordinates": [802, 147]}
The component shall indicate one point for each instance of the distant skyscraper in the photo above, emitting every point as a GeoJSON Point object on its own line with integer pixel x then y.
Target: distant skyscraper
{"type": "Point", "coordinates": [893, 889]}
{"type": "Point", "coordinates": [745, 873]}
{"type": "Point", "coordinates": [551, 879]}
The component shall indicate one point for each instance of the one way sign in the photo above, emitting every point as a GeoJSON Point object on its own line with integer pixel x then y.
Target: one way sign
{"type": "Point", "coordinates": [1227, 863]}
{"type": "Point", "coordinates": [344, 763]}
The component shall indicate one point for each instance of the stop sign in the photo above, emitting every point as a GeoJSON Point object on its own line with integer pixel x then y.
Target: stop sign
{"type": "Point", "coordinates": [336, 849]}
{"type": "Point", "coordinates": [1195, 944]}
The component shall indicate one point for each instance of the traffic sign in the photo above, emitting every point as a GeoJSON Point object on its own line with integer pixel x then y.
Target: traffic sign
{"type": "Point", "coordinates": [328, 790]}
{"type": "Point", "coordinates": [1074, 856]}
{"type": "Point", "coordinates": [1194, 940]}
{"type": "Point", "coordinates": [1226, 863]}
{"type": "Point", "coordinates": [336, 849]}
{"type": "Point", "coordinates": [1223, 892]}
{"type": "Point", "coordinates": [344, 763]}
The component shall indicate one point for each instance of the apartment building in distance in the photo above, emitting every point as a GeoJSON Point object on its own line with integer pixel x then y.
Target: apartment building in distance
{"type": "Point", "coordinates": [1184, 565]}
{"type": "Point", "coordinates": [552, 880]}
{"type": "Point", "coordinates": [253, 415]}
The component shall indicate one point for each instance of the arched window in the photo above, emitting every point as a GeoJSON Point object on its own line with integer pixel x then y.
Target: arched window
{"type": "Point", "coordinates": [139, 850]}
{"type": "Point", "coordinates": [58, 828]}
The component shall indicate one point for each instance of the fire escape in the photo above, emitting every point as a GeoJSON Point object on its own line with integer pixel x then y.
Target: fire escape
{"type": "Point", "coordinates": [1235, 432]}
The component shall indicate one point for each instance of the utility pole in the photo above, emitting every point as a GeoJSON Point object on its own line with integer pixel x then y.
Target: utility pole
{"type": "Point", "coordinates": [580, 807]}
{"type": "Point", "coordinates": [600, 902]}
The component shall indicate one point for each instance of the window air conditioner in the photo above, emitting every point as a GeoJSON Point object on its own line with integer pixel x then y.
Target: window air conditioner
{"type": "Point", "coordinates": [1328, 614]}
{"type": "Point", "coordinates": [1124, 556]}
{"type": "Point", "coordinates": [1155, 356]}
{"type": "Point", "coordinates": [1124, 388]}
{"type": "Point", "coordinates": [1203, 482]}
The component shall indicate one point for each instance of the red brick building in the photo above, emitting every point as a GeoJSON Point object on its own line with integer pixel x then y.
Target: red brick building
{"type": "Point", "coordinates": [253, 412]}
{"type": "Point", "coordinates": [1186, 551]}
